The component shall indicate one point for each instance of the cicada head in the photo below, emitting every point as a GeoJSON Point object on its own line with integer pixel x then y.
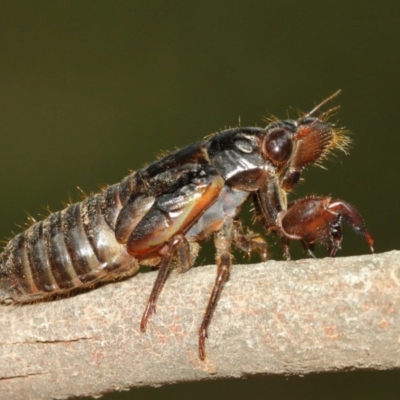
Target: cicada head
{"type": "Point", "coordinates": [302, 142]}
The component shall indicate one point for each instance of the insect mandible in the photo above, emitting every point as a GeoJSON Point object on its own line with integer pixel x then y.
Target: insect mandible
{"type": "Point", "coordinates": [158, 215]}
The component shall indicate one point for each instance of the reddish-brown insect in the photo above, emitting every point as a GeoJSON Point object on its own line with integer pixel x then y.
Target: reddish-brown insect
{"type": "Point", "coordinates": [158, 215]}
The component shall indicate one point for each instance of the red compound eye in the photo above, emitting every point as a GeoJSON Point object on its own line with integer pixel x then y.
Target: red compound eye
{"type": "Point", "coordinates": [278, 146]}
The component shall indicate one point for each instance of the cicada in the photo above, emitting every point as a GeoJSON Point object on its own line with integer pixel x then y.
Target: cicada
{"type": "Point", "coordinates": [157, 216]}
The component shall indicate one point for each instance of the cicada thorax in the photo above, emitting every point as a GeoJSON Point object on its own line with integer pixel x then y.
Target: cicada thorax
{"type": "Point", "coordinates": [72, 248]}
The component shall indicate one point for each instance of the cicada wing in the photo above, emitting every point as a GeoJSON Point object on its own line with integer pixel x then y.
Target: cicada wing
{"type": "Point", "coordinates": [173, 213]}
{"type": "Point", "coordinates": [131, 215]}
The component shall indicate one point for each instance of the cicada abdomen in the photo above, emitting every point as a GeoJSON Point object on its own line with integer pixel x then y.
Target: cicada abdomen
{"type": "Point", "coordinates": [70, 249]}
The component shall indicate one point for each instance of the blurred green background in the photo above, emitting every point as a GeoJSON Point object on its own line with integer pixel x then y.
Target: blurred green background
{"type": "Point", "coordinates": [92, 89]}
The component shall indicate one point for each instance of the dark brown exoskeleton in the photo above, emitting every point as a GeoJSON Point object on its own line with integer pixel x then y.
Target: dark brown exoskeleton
{"type": "Point", "coordinates": [158, 215]}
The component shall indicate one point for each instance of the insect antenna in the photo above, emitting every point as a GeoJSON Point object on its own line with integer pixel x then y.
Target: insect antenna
{"type": "Point", "coordinates": [328, 113]}
{"type": "Point", "coordinates": [328, 99]}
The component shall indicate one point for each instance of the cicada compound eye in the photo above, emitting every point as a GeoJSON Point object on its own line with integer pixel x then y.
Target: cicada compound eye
{"type": "Point", "coordinates": [278, 146]}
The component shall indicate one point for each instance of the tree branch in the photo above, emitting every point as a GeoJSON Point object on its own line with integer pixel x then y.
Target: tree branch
{"type": "Point", "coordinates": [278, 318]}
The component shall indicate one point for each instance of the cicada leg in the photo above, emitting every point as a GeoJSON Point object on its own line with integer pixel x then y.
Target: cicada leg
{"type": "Point", "coordinates": [319, 220]}
{"type": "Point", "coordinates": [163, 272]}
{"type": "Point", "coordinates": [249, 242]}
{"type": "Point", "coordinates": [222, 240]}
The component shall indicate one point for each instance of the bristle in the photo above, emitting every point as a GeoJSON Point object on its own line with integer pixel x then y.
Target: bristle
{"type": "Point", "coordinates": [82, 193]}
{"type": "Point", "coordinates": [47, 209]}
{"type": "Point", "coordinates": [5, 241]}
{"type": "Point", "coordinates": [270, 119]}
{"type": "Point", "coordinates": [31, 220]}
{"type": "Point", "coordinates": [161, 154]}
{"type": "Point", "coordinates": [210, 135]}
{"type": "Point", "coordinates": [341, 140]}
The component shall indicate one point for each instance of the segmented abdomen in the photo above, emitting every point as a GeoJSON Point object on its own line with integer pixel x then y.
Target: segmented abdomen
{"type": "Point", "coordinates": [70, 249]}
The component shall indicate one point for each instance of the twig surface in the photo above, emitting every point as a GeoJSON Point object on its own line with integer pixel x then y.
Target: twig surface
{"type": "Point", "coordinates": [274, 318]}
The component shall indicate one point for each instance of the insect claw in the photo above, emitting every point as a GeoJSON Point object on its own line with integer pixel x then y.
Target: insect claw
{"type": "Point", "coordinates": [370, 241]}
{"type": "Point", "coordinates": [143, 323]}
{"type": "Point", "coordinates": [150, 309]}
{"type": "Point", "coordinates": [332, 251]}
{"type": "Point", "coordinates": [202, 346]}
{"type": "Point", "coordinates": [311, 253]}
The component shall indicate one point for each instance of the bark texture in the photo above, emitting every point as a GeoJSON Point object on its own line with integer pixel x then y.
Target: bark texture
{"type": "Point", "coordinates": [272, 318]}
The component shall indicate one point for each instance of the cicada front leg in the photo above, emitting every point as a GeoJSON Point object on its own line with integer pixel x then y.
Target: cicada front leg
{"type": "Point", "coordinates": [319, 220]}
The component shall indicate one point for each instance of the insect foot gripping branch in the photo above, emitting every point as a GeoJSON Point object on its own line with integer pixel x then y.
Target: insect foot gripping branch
{"type": "Point", "coordinates": [157, 216]}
